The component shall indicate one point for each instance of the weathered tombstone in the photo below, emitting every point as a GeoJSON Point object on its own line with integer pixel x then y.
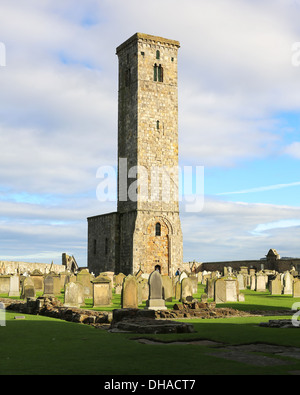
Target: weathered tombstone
{"type": "Point", "coordinates": [26, 281]}
{"type": "Point", "coordinates": [275, 287]}
{"type": "Point", "coordinates": [241, 281]}
{"type": "Point", "coordinates": [260, 283]}
{"type": "Point", "coordinates": [51, 285]}
{"type": "Point", "coordinates": [287, 283]}
{"type": "Point", "coordinates": [29, 291]}
{"type": "Point", "coordinates": [4, 284]}
{"type": "Point", "coordinates": [178, 290]}
{"type": "Point", "coordinates": [102, 291]}
{"type": "Point", "coordinates": [210, 288]}
{"type": "Point", "coordinates": [195, 283]}
{"type": "Point", "coordinates": [73, 296]}
{"type": "Point", "coordinates": [252, 282]}
{"type": "Point", "coordinates": [226, 290]}
{"type": "Point", "coordinates": [143, 289]}
{"type": "Point", "coordinates": [167, 288]}
{"type": "Point", "coordinates": [38, 280]}
{"type": "Point", "coordinates": [118, 279]}
{"type": "Point", "coordinates": [182, 276]}
{"type": "Point", "coordinates": [14, 285]}
{"type": "Point", "coordinates": [84, 277]}
{"type": "Point", "coordinates": [186, 290]}
{"type": "Point", "coordinates": [155, 301]}
{"type": "Point", "coordinates": [129, 297]}
{"type": "Point", "coordinates": [296, 288]}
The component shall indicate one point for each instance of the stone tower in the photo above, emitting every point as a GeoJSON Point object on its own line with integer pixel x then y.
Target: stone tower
{"type": "Point", "coordinates": [146, 231]}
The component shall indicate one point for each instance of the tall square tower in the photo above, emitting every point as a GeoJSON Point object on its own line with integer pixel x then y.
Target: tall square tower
{"type": "Point", "coordinates": [146, 229]}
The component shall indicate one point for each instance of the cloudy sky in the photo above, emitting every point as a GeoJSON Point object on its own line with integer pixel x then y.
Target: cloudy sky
{"type": "Point", "coordinates": [239, 118]}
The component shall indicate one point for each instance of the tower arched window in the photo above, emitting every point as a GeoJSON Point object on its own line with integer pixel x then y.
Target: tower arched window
{"type": "Point", "coordinates": [158, 73]}
{"type": "Point", "coordinates": [157, 229]}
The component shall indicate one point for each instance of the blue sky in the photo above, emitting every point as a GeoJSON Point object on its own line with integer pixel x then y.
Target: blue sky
{"type": "Point", "coordinates": [239, 118]}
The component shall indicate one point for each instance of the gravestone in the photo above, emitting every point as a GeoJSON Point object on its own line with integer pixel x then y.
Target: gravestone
{"type": "Point", "coordinates": [74, 295]}
{"type": "Point", "coordinates": [155, 301]}
{"type": "Point", "coordinates": [287, 283]}
{"type": "Point", "coordinates": [252, 282]}
{"type": "Point", "coordinates": [275, 287]}
{"type": "Point", "coordinates": [129, 297]}
{"type": "Point", "coordinates": [178, 290]}
{"type": "Point", "coordinates": [29, 291]}
{"type": "Point", "coordinates": [241, 281]}
{"type": "Point", "coordinates": [102, 291]}
{"type": "Point", "coordinates": [14, 285]}
{"type": "Point", "coordinates": [38, 280]}
{"type": "Point", "coordinates": [84, 277]}
{"type": "Point", "coordinates": [143, 289]}
{"type": "Point", "coordinates": [186, 290]}
{"type": "Point", "coordinates": [226, 290]}
{"type": "Point", "coordinates": [51, 285]}
{"type": "Point", "coordinates": [4, 284]}
{"type": "Point", "coordinates": [182, 276]}
{"type": "Point", "coordinates": [194, 280]}
{"type": "Point", "coordinates": [26, 281]}
{"type": "Point", "coordinates": [118, 279]}
{"type": "Point", "coordinates": [260, 283]}
{"type": "Point", "coordinates": [210, 288]}
{"type": "Point", "coordinates": [167, 288]}
{"type": "Point", "coordinates": [296, 288]}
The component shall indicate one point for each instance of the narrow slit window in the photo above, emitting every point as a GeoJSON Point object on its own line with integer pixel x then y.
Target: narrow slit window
{"type": "Point", "coordinates": [155, 72]}
{"type": "Point", "coordinates": [157, 125]}
{"type": "Point", "coordinates": [158, 229]}
{"type": "Point", "coordinates": [106, 246]}
{"type": "Point", "coordinates": [160, 73]}
{"type": "Point", "coordinates": [157, 54]}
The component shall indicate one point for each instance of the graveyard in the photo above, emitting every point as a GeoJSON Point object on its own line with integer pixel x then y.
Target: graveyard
{"type": "Point", "coordinates": [204, 324]}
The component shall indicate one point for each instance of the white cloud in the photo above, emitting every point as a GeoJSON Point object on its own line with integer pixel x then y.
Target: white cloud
{"type": "Point", "coordinates": [261, 189]}
{"type": "Point", "coordinates": [293, 150]}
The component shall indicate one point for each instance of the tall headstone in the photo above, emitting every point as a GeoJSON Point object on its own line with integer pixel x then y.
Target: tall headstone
{"type": "Point", "coordinates": [296, 288]}
{"type": "Point", "coordinates": [287, 283]}
{"type": "Point", "coordinates": [275, 287]}
{"type": "Point", "coordinates": [84, 277]}
{"type": "Point", "coordinates": [155, 301]}
{"type": "Point", "coordinates": [14, 285]}
{"type": "Point", "coordinates": [260, 284]}
{"type": "Point", "coordinates": [129, 297]}
{"type": "Point", "coordinates": [186, 290]}
{"type": "Point", "coordinates": [167, 288]}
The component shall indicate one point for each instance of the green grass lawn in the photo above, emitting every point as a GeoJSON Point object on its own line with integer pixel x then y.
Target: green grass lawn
{"type": "Point", "coordinates": [39, 345]}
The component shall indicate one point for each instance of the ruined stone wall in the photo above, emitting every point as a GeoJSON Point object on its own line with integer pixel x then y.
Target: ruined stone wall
{"type": "Point", "coordinates": [103, 243]}
{"type": "Point", "coordinates": [11, 267]}
{"type": "Point", "coordinates": [280, 265]}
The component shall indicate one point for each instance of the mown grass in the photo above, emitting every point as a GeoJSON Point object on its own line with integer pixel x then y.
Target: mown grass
{"type": "Point", "coordinates": [44, 346]}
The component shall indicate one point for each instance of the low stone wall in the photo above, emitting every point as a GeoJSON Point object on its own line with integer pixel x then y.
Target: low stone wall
{"type": "Point", "coordinates": [52, 307]}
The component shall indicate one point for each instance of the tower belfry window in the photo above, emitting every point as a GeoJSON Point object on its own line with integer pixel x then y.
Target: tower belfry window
{"type": "Point", "coordinates": [158, 73]}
